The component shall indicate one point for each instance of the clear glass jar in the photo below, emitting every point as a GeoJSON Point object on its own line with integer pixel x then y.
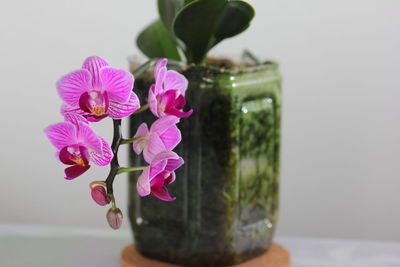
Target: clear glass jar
{"type": "Point", "coordinates": [228, 189]}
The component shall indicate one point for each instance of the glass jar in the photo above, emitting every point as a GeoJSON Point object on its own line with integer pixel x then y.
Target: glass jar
{"type": "Point", "coordinates": [228, 189]}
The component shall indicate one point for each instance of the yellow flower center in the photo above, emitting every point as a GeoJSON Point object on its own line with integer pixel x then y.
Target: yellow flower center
{"type": "Point", "coordinates": [80, 162]}
{"type": "Point", "coordinates": [98, 111]}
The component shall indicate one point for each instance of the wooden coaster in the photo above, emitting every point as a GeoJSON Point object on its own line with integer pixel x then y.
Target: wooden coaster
{"type": "Point", "coordinates": [276, 256]}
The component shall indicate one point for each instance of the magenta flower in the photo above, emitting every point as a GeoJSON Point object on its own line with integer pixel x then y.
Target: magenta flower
{"type": "Point", "coordinates": [160, 173]}
{"type": "Point", "coordinates": [167, 95]}
{"type": "Point", "coordinates": [163, 136]}
{"type": "Point", "coordinates": [97, 91]}
{"type": "Point", "coordinates": [77, 144]}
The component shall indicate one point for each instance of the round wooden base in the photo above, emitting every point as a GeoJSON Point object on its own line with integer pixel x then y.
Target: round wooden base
{"type": "Point", "coordinates": [276, 256]}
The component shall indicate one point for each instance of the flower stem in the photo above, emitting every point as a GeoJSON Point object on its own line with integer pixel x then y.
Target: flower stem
{"type": "Point", "coordinates": [113, 202]}
{"type": "Point", "coordinates": [130, 141]}
{"type": "Point", "coordinates": [114, 166]}
{"type": "Point", "coordinates": [141, 109]}
{"type": "Point", "coordinates": [130, 169]}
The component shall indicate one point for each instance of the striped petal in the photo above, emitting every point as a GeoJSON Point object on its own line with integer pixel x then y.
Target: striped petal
{"type": "Point", "coordinates": [117, 83]}
{"type": "Point", "coordinates": [104, 158]}
{"type": "Point", "coordinates": [71, 86]}
{"type": "Point", "coordinates": [118, 111]}
{"type": "Point", "coordinates": [62, 134]}
{"type": "Point", "coordinates": [94, 65]}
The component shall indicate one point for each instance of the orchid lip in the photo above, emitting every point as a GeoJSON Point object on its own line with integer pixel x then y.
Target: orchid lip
{"type": "Point", "coordinates": [95, 103]}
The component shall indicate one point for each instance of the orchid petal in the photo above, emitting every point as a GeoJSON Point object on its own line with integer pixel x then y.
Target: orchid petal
{"type": "Point", "coordinates": [173, 105]}
{"type": "Point", "coordinates": [140, 144]}
{"type": "Point", "coordinates": [157, 167]}
{"type": "Point", "coordinates": [75, 118]}
{"type": "Point", "coordinates": [171, 137]}
{"type": "Point", "coordinates": [163, 124]}
{"type": "Point", "coordinates": [61, 134]}
{"type": "Point", "coordinates": [75, 171]}
{"type": "Point", "coordinates": [94, 65]}
{"type": "Point", "coordinates": [66, 157]}
{"type": "Point", "coordinates": [84, 154]}
{"type": "Point", "coordinates": [105, 157]}
{"type": "Point", "coordinates": [160, 72]}
{"type": "Point", "coordinates": [174, 164]}
{"type": "Point", "coordinates": [117, 83]}
{"type": "Point", "coordinates": [163, 194]}
{"type": "Point", "coordinates": [154, 146]}
{"type": "Point", "coordinates": [68, 109]}
{"type": "Point", "coordinates": [175, 81]}
{"type": "Point", "coordinates": [179, 114]}
{"type": "Point", "coordinates": [158, 181]}
{"type": "Point", "coordinates": [118, 111]}
{"type": "Point", "coordinates": [143, 183]}
{"type": "Point", "coordinates": [162, 63]}
{"type": "Point", "coordinates": [89, 138]}
{"type": "Point", "coordinates": [164, 156]}
{"type": "Point", "coordinates": [71, 86]}
{"type": "Point", "coordinates": [159, 162]}
{"type": "Point", "coordinates": [180, 102]}
{"type": "Point", "coordinates": [152, 101]}
{"type": "Point", "coordinates": [170, 179]}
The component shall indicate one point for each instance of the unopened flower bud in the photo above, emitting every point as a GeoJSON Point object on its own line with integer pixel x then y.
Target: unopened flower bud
{"type": "Point", "coordinates": [114, 218]}
{"type": "Point", "coordinates": [99, 195]}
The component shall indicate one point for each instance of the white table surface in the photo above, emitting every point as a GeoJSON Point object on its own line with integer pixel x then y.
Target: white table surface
{"type": "Point", "coordinates": [41, 246]}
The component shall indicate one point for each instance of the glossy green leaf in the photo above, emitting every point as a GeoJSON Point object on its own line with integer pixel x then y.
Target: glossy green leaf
{"type": "Point", "coordinates": [204, 23]}
{"type": "Point", "coordinates": [156, 41]}
{"type": "Point", "coordinates": [235, 19]}
{"type": "Point", "coordinates": [168, 10]}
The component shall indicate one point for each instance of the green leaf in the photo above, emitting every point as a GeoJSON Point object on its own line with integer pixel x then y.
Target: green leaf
{"type": "Point", "coordinates": [168, 10]}
{"type": "Point", "coordinates": [156, 41]}
{"type": "Point", "coordinates": [204, 23]}
{"type": "Point", "coordinates": [235, 19]}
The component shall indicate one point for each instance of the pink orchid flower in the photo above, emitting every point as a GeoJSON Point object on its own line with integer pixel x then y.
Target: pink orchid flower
{"type": "Point", "coordinates": [162, 136]}
{"type": "Point", "coordinates": [97, 91]}
{"type": "Point", "coordinates": [160, 173]}
{"type": "Point", "coordinates": [167, 95]}
{"type": "Point", "coordinates": [77, 144]}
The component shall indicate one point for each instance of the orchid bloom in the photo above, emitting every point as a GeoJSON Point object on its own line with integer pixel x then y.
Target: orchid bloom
{"type": "Point", "coordinates": [167, 95]}
{"type": "Point", "coordinates": [160, 173]}
{"type": "Point", "coordinates": [77, 144]}
{"type": "Point", "coordinates": [97, 91]}
{"type": "Point", "coordinates": [162, 136]}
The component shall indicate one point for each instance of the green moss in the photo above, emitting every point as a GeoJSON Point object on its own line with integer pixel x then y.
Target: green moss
{"type": "Point", "coordinates": [227, 191]}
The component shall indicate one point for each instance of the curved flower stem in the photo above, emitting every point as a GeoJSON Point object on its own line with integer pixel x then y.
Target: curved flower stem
{"type": "Point", "coordinates": [142, 108]}
{"type": "Point", "coordinates": [130, 141]}
{"type": "Point", "coordinates": [130, 169]}
{"type": "Point", "coordinates": [114, 166]}
{"type": "Point", "coordinates": [113, 202]}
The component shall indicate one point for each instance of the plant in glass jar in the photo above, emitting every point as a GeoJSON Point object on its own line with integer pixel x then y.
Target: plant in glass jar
{"type": "Point", "coordinates": [221, 117]}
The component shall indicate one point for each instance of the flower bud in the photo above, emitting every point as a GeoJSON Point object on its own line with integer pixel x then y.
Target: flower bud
{"type": "Point", "coordinates": [114, 218]}
{"type": "Point", "coordinates": [99, 195]}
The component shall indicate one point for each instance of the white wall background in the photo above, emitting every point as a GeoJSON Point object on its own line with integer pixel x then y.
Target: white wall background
{"type": "Point", "coordinates": [341, 129]}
